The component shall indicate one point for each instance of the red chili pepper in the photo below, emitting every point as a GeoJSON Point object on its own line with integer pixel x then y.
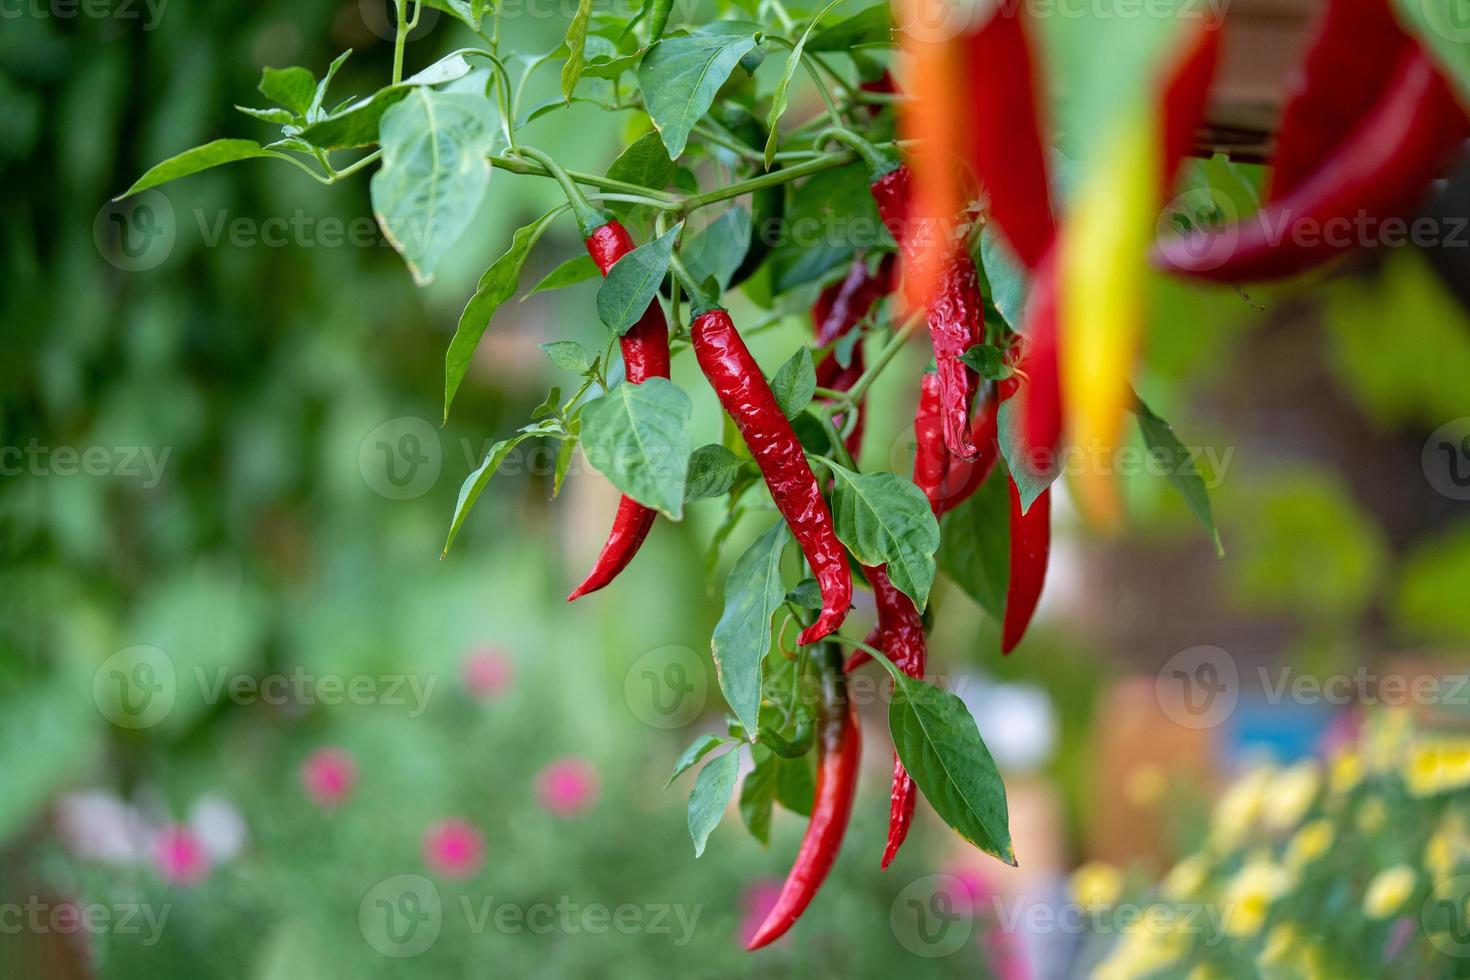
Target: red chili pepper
{"type": "Point", "coordinates": [955, 309]}
{"type": "Point", "coordinates": [1030, 552]}
{"type": "Point", "coordinates": [900, 634]}
{"type": "Point", "coordinates": [737, 381]}
{"type": "Point", "coordinates": [1186, 94]}
{"type": "Point", "coordinates": [1376, 171]}
{"type": "Point", "coordinates": [839, 743]}
{"type": "Point", "coordinates": [1041, 395]}
{"type": "Point", "coordinates": [840, 308]}
{"type": "Point", "coordinates": [1006, 146]}
{"type": "Point", "coordinates": [645, 355]}
{"type": "Point", "coordinates": [1337, 83]}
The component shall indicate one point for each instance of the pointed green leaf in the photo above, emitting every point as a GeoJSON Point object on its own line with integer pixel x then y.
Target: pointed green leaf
{"type": "Point", "coordinates": [645, 162]}
{"type": "Point", "coordinates": [568, 355]}
{"type": "Point", "coordinates": [758, 794]}
{"type": "Point", "coordinates": [571, 72]}
{"type": "Point", "coordinates": [782, 96]}
{"type": "Point", "coordinates": [1030, 481]}
{"type": "Point", "coordinates": [314, 111]}
{"type": "Point", "coordinates": [290, 87]}
{"type": "Point", "coordinates": [712, 791]}
{"type": "Point", "coordinates": [712, 472]}
{"type": "Point", "coordinates": [795, 382]}
{"type": "Point", "coordinates": [201, 158]}
{"type": "Point", "coordinates": [871, 26]}
{"type": "Point", "coordinates": [498, 284]}
{"type": "Point", "coordinates": [434, 173]}
{"type": "Point", "coordinates": [975, 544]}
{"type": "Point", "coordinates": [753, 593]}
{"type": "Point", "coordinates": [680, 76]}
{"type": "Point", "coordinates": [569, 273]}
{"type": "Point", "coordinates": [358, 122]}
{"type": "Point", "coordinates": [638, 437]}
{"type": "Point", "coordinates": [1183, 474]}
{"type": "Point", "coordinates": [632, 283]}
{"type": "Point", "coordinates": [698, 749]}
{"type": "Point", "coordinates": [885, 519]}
{"type": "Point", "coordinates": [474, 484]}
{"type": "Point", "coordinates": [717, 251]}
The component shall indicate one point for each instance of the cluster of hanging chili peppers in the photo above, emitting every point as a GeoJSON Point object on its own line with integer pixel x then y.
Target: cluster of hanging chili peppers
{"type": "Point", "coordinates": [1351, 140]}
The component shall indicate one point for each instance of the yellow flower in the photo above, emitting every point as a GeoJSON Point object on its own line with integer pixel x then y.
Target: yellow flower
{"type": "Point", "coordinates": [1240, 807]}
{"type": "Point", "coordinates": [1347, 772]}
{"type": "Point", "coordinates": [1438, 764]}
{"type": "Point", "coordinates": [1096, 883]}
{"type": "Point", "coordinates": [1250, 893]}
{"type": "Point", "coordinates": [1388, 891]}
{"type": "Point", "coordinates": [1151, 943]}
{"type": "Point", "coordinates": [1371, 815]}
{"type": "Point", "coordinates": [1186, 878]}
{"type": "Point", "coordinates": [1291, 795]}
{"type": "Point", "coordinates": [1310, 843]}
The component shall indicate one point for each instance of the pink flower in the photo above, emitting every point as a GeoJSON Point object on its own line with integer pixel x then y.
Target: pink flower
{"type": "Point", "coordinates": [567, 787]}
{"type": "Point", "coordinates": [487, 673]}
{"type": "Point", "coordinates": [756, 903]}
{"type": "Point", "coordinates": [454, 848]}
{"type": "Point", "coordinates": [328, 776]}
{"type": "Point", "coordinates": [179, 856]}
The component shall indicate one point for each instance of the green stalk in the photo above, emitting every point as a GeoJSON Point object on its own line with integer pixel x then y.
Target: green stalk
{"type": "Point", "coordinates": [657, 199]}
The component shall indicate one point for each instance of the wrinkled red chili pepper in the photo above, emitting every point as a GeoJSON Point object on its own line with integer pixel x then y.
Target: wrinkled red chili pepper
{"type": "Point", "coordinates": [1335, 85]}
{"type": "Point", "coordinates": [839, 744]}
{"type": "Point", "coordinates": [1376, 171]}
{"type": "Point", "coordinates": [737, 381]}
{"type": "Point", "coordinates": [839, 309]}
{"type": "Point", "coordinates": [900, 634]}
{"type": "Point", "coordinates": [1006, 147]}
{"type": "Point", "coordinates": [645, 355]}
{"type": "Point", "coordinates": [955, 310]}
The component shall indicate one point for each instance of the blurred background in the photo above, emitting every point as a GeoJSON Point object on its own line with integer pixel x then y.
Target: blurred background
{"type": "Point", "coordinates": [225, 486]}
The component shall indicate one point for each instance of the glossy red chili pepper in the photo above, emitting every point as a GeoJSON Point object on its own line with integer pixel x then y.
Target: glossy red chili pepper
{"type": "Point", "coordinates": [645, 355]}
{"type": "Point", "coordinates": [839, 744]}
{"type": "Point", "coordinates": [1376, 171]}
{"type": "Point", "coordinates": [1041, 395]}
{"type": "Point", "coordinates": [1335, 86]}
{"type": "Point", "coordinates": [1006, 147]}
{"type": "Point", "coordinates": [737, 381]}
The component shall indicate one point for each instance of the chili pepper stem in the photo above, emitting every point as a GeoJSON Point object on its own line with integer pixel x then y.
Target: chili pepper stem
{"type": "Point", "coordinates": [879, 163]}
{"type": "Point", "coordinates": [589, 219]}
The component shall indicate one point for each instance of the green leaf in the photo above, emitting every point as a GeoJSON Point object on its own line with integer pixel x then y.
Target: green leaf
{"type": "Point", "coordinates": [564, 455]}
{"type": "Point", "coordinates": [807, 594]}
{"type": "Point", "coordinates": [680, 76]}
{"type": "Point", "coordinates": [742, 637]}
{"type": "Point", "coordinates": [569, 273]}
{"type": "Point", "coordinates": [280, 117]}
{"type": "Point", "coordinates": [201, 158]}
{"type": "Point", "coordinates": [832, 199]}
{"type": "Point", "coordinates": [645, 162]}
{"type": "Point", "coordinates": [632, 283]}
{"type": "Point", "coordinates": [474, 484]}
{"type": "Point", "coordinates": [497, 285]}
{"type": "Point", "coordinates": [1183, 474]}
{"type": "Point", "coordinates": [782, 96]}
{"type": "Point", "coordinates": [975, 544]}
{"type": "Point", "coordinates": [941, 748]}
{"type": "Point", "coordinates": [885, 519]}
{"type": "Point", "coordinates": [571, 72]}
{"type": "Point", "coordinates": [469, 13]}
{"type": "Point", "coordinates": [568, 355]}
{"type": "Point", "coordinates": [1030, 481]}
{"type": "Point", "coordinates": [712, 791]}
{"type": "Point", "coordinates": [293, 88]}
{"type": "Point", "coordinates": [319, 97]}
{"type": "Point", "coordinates": [871, 26]}
{"type": "Point", "coordinates": [358, 123]}
{"type": "Point", "coordinates": [1440, 25]}
{"type": "Point", "coordinates": [698, 749]}
{"type": "Point", "coordinates": [795, 383]}
{"type": "Point", "coordinates": [712, 472]}
{"type": "Point", "coordinates": [1010, 284]}
{"type": "Point", "coordinates": [988, 361]}
{"type": "Point", "coordinates": [796, 785]}
{"type": "Point", "coordinates": [758, 794]}
{"type": "Point", "coordinates": [717, 251]}
{"type": "Point", "coordinates": [434, 174]}
{"type": "Point", "coordinates": [549, 405]}
{"type": "Point", "coordinates": [638, 437]}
